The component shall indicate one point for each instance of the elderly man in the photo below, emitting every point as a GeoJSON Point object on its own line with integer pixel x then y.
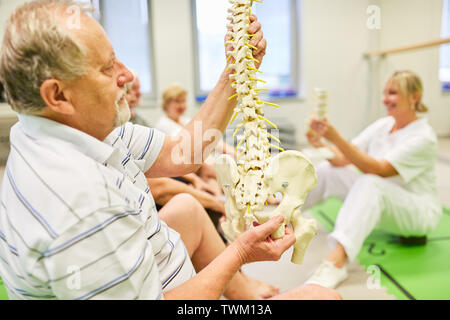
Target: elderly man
{"type": "Point", "coordinates": [77, 219]}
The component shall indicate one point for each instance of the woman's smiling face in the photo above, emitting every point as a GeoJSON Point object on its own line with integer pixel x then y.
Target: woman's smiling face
{"type": "Point", "coordinates": [176, 108]}
{"type": "Point", "coordinates": [395, 101]}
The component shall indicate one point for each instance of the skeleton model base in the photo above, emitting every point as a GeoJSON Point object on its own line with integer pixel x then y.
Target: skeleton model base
{"type": "Point", "coordinates": [289, 173]}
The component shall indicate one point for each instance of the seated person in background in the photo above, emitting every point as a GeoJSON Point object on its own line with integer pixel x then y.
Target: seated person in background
{"type": "Point", "coordinates": [134, 97]}
{"type": "Point", "coordinates": [164, 189]}
{"type": "Point", "coordinates": [77, 218]}
{"type": "Point", "coordinates": [174, 107]}
{"type": "Point", "coordinates": [173, 121]}
{"type": "Point", "coordinates": [395, 187]}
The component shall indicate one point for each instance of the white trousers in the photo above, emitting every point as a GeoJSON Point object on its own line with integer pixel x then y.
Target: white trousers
{"type": "Point", "coordinates": [370, 201]}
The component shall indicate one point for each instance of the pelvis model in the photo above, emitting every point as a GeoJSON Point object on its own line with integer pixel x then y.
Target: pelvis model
{"type": "Point", "coordinates": [248, 183]}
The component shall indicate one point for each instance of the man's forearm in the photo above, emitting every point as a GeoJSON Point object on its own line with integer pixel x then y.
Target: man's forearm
{"type": "Point", "coordinates": [213, 119]}
{"type": "Point", "coordinates": [186, 152]}
{"type": "Point", "coordinates": [215, 114]}
{"type": "Point", "coordinates": [212, 281]}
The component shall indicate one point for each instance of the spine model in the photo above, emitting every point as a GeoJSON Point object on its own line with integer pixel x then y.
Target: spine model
{"type": "Point", "coordinates": [321, 104]}
{"type": "Point", "coordinates": [248, 185]}
{"type": "Point", "coordinates": [320, 111]}
{"type": "Point", "coordinates": [251, 195]}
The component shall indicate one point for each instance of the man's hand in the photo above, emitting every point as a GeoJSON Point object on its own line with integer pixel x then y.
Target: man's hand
{"type": "Point", "coordinates": [256, 41]}
{"type": "Point", "coordinates": [257, 245]}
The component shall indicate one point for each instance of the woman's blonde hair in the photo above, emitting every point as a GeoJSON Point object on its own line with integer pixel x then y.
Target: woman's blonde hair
{"type": "Point", "coordinates": [171, 93]}
{"type": "Point", "coordinates": [409, 84]}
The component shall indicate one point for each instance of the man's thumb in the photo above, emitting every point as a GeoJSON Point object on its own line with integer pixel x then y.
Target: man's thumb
{"type": "Point", "coordinates": [272, 225]}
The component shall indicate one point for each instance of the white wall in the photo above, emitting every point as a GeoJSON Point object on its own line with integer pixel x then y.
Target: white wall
{"type": "Point", "coordinates": [173, 46]}
{"type": "Point", "coordinates": [334, 37]}
{"type": "Point", "coordinates": [6, 8]}
{"type": "Point", "coordinates": [407, 22]}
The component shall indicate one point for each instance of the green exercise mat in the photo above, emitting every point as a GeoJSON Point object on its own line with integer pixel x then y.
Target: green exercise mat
{"type": "Point", "coordinates": [3, 294]}
{"type": "Point", "coordinates": [408, 272]}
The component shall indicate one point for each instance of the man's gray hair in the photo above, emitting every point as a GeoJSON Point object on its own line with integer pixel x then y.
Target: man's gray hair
{"type": "Point", "coordinates": [37, 47]}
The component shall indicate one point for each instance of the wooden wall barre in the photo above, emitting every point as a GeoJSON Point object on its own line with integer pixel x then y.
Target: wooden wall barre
{"type": "Point", "coordinates": [407, 48]}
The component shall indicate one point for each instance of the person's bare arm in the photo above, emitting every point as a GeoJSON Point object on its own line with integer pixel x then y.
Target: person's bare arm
{"type": "Point", "coordinates": [164, 189]}
{"type": "Point", "coordinates": [177, 157]}
{"type": "Point", "coordinates": [360, 159]}
{"type": "Point", "coordinates": [254, 245]}
{"type": "Point", "coordinates": [315, 140]}
{"type": "Point", "coordinates": [339, 160]}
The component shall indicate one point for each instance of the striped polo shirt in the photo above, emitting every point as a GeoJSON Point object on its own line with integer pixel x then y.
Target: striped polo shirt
{"type": "Point", "coordinates": [77, 219]}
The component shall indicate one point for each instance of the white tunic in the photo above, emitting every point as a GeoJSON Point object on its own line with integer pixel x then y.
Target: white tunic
{"type": "Point", "coordinates": [406, 204]}
{"type": "Point", "coordinates": [77, 219]}
{"type": "Point", "coordinates": [411, 150]}
{"type": "Point", "coordinates": [170, 127]}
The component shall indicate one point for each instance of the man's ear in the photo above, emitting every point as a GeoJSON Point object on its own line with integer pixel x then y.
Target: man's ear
{"type": "Point", "coordinates": [54, 96]}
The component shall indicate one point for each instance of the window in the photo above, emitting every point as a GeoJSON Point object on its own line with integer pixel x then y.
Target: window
{"type": "Point", "coordinates": [280, 68]}
{"type": "Point", "coordinates": [128, 28]}
{"type": "Point", "coordinates": [444, 70]}
{"type": "Point", "coordinates": [95, 5]}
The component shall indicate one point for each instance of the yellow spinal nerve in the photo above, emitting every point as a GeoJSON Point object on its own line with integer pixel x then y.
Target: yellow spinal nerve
{"type": "Point", "coordinates": [248, 183]}
{"type": "Point", "coordinates": [250, 192]}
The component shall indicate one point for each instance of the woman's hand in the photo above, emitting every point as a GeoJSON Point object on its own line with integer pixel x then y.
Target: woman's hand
{"type": "Point", "coordinates": [324, 129]}
{"type": "Point", "coordinates": [207, 171]}
{"type": "Point", "coordinates": [314, 139]}
{"type": "Point", "coordinates": [201, 185]}
{"type": "Point", "coordinates": [219, 206]}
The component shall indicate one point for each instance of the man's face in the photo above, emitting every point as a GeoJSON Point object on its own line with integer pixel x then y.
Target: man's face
{"type": "Point", "coordinates": [136, 89]}
{"type": "Point", "coordinates": [99, 96]}
{"type": "Point", "coordinates": [134, 96]}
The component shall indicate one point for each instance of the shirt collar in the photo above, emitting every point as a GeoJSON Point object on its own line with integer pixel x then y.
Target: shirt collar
{"type": "Point", "coordinates": [39, 127]}
{"type": "Point", "coordinates": [419, 122]}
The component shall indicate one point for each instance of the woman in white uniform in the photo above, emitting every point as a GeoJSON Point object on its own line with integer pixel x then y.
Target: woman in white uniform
{"type": "Point", "coordinates": [385, 177]}
{"type": "Point", "coordinates": [173, 120]}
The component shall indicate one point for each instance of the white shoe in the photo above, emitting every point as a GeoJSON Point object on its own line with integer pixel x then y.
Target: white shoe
{"type": "Point", "coordinates": [328, 275]}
